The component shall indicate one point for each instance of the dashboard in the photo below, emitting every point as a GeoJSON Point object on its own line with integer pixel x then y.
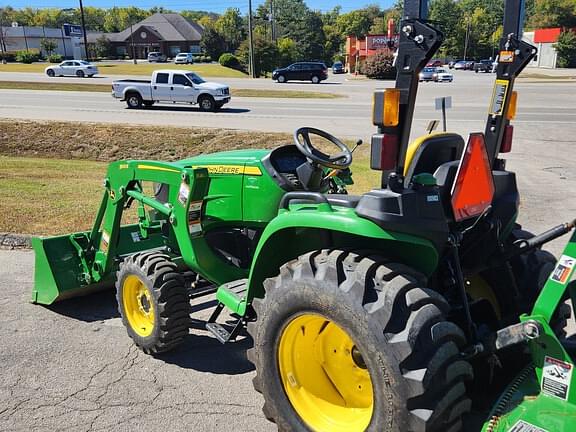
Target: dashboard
{"type": "Point", "coordinates": [286, 159]}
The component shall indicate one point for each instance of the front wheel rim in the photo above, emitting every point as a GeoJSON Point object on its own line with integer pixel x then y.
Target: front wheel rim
{"type": "Point", "coordinates": [324, 375]}
{"type": "Point", "coordinates": [138, 306]}
{"type": "Point", "coordinates": [206, 104]}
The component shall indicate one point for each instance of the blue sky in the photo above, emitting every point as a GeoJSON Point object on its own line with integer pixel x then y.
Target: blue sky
{"type": "Point", "coordinates": [210, 5]}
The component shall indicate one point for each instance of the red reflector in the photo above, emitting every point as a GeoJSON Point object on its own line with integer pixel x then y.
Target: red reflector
{"type": "Point", "coordinates": [473, 188]}
{"type": "Point", "coordinates": [507, 140]}
{"type": "Point", "coordinates": [384, 152]}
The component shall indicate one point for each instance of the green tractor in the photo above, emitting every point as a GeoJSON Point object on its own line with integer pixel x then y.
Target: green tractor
{"type": "Point", "coordinates": [376, 312]}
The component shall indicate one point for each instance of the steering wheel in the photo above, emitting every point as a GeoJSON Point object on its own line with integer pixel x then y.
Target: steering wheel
{"type": "Point", "coordinates": [340, 161]}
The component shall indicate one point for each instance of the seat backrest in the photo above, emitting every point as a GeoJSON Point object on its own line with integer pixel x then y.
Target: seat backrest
{"type": "Point", "coordinates": [428, 152]}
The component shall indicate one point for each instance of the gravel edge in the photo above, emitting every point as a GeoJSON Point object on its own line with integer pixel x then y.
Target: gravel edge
{"type": "Point", "coordinates": [12, 241]}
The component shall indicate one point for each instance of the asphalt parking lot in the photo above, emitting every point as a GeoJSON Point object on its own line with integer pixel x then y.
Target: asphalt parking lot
{"type": "Point", "coordinates": [71, 367]}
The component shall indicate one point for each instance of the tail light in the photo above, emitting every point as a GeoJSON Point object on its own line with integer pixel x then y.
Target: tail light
{"type": "Point", "coordinates": [384, 152]}
{"type": "Point", "coordinates": [506, 146]}
{"type": "Point", "coordinates": [473, 188]}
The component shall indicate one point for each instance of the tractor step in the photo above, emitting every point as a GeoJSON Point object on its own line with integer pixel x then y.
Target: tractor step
{"type": "Point", "coordinates": [219, 331]}
{"type": "Point", "coordinates": [232, 296]}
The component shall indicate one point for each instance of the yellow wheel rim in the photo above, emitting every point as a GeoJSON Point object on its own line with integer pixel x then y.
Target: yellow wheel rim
{"type": "Point", "coordinates": [138, 306]}
{"type": "Point", "coordinates": [324, 375]}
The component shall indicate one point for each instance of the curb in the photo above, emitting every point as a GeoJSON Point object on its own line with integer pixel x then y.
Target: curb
{"type": "Point", "coordinates": [15, 241]}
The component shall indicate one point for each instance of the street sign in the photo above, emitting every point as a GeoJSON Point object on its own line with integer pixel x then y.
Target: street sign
{"type": "Point", "coordinates": [447, 104]}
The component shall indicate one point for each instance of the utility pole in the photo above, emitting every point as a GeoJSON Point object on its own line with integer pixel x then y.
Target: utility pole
{"type": "Point", "coordinates": [272, 29]}
{"type": "Point", "coordinates": [467, 35]}
{"type": "Point", "coordinates": [84, 31]}
{"type": "Point", "coordinates": [132, 43]}
{"type": "Point", "coordinates": [252, 69]}
{"type": "Point", "coordinates": [2, 42]}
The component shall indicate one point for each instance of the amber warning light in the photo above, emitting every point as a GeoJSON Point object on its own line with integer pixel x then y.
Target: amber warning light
{"type": "Point", "coordinates": [473, 188]}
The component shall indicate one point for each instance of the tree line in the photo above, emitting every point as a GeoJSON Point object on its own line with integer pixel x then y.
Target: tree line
{"type": "Point", "coordinates": [288, 30]}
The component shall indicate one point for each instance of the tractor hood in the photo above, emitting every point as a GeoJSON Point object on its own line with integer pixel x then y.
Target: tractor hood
{"type": "Point", "coordinates": [234, 157]}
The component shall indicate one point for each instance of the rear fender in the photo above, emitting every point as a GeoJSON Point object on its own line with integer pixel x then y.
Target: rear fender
{"type": "Point", "coordinates": [293, 233]}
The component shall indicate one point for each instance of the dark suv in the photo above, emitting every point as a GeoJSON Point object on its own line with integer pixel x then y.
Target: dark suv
{"type": "Point", "coordinates": [483, 66]}
{"type": "Point", "coordinates": [302, 71]}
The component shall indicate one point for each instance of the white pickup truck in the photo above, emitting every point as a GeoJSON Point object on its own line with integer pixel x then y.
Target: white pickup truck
{"type": "Point", "coordinates": [176, 86]}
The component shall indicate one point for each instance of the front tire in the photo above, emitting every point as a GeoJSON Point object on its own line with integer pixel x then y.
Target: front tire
{"type": "Point", "coordinates": [152, 302]}
{"type": "Point", "coordinates": [282, 79]}
{"type": "Point", "coordinates": [50, 73]}
{"type": "Point", "coordinates": [344, 342]}
{"type": "Point", "coordinates": [207, 103]}
{"type": "Point", "coordinates": [315, 80]}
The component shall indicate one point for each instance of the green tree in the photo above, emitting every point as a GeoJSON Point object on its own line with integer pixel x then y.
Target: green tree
{"type": "Point", "coordinates": [553, 13]}
{"type": "Point", "coordinates": [265, 55]}
{"type": "Point", "coordinates": [566, 48]}
{"type": "Point", "coordinates": [356, 23]}
{"type": "Point", "coordinates": [449, 16]}
{"type": "Point", "coordinates": [231, 27]}
{"type": "Point", "coordinates": [212, 42]}
{"type": "Point", "coordinates": [102, 47]}
{"type": "Point", "coordinates": [287, 51]}
{"type": "Point", "coordinates": [48, 45]}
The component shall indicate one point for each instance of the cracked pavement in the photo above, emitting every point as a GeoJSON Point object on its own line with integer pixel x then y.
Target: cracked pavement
{"type": "Point", "coordinates": [72, 367]}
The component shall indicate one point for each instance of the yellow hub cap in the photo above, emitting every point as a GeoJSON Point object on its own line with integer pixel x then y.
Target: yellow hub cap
{"type": "Point", "coordinates": [324, 375]}
{"type": "Point", "coordinates": [138, 306]}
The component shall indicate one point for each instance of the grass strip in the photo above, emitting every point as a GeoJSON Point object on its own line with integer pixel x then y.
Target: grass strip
{"type": "Point", "coordinates": [142, 68]}
{"type": "Point", "coordinates": [51, 172]}
{"type": "Point", "coordinates": [107, 88]}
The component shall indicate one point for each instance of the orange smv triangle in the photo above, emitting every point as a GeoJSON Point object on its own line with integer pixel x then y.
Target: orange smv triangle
{"type": "Point", "coordinates": [473, 188]}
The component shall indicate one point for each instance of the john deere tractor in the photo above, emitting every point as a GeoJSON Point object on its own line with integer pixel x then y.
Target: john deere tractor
{"type": "Point", "coordinates": [377, 312]}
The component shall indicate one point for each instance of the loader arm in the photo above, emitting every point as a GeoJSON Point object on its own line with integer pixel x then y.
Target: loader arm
{"type": "Point", "coordinates": [72, 264]}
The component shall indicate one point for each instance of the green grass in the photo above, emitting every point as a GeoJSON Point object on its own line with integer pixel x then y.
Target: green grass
{"type": "Point", "coordinates": [55, 196]}
{"type": "Point", "coordinates": [548, 77]}
{"type": "Point", "coordinates": [142, 68]}
{"type": "Point", "coordinates": [49, 196]}
{"type": "Point", "coordinates": [106, 88]}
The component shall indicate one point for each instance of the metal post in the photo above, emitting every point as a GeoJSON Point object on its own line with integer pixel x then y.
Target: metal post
{"type": "Point", "coordinates": [132, 43]}
{"type": "Point", "coordinates": [63, 42]}
{"type": "Point", "coordinates": [252, 69]}
{"type": "Point", "coordinates": [466, 41]}
{"type": "Point", "coordinates": [2, 42]}
{"type": "Point", "coordinates": [25, 38]}
{"type": "Point", "coordinates": [444, 113]}
{"type": "Point", "coordinates": [84, 31]}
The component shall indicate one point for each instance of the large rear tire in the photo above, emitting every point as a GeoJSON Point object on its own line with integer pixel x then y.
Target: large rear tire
{"type": "Point", "coordinates": [153, 301]}
{"type": "Point", "coordinates": [347, 342]}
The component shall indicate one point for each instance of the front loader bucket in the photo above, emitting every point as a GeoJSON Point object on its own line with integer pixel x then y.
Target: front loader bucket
{"type": "Point", "coordinates": [58, 271]}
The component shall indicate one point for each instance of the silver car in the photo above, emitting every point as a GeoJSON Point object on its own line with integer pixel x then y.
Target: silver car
{"type": "Point", "coordinates": [77, 68]}
{"type": "Point", "coordinates": [156, 57]}
{"type": "Point", "coordinates": [427, 74]}
{"type": "Point", "coordinates": [184, 58]}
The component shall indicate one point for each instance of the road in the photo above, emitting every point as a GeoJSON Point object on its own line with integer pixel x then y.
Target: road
{"type": "Point", "coordinates": [346, 117]}
{"type": "Point", "coordinates": [72, 366]}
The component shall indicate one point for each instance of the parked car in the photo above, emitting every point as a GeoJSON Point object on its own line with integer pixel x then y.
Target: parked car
{"type": "Point", "coordinates": [156, 57]}
{"type": "Point", "coordinates": [184, 58]}
{"type": "Point", "coordinates": [79, 68]}
{"type": "Point", "coordinates": [451, 64]}
{"type": "Point", "coordinates": [172, 86]}
{"type": "Point", "coordinates": [427, 74]}
{"type": "Point", "coordinates": [464, 65]}
{"type": "Point", "coordinates": [442, 75]}
{"type": "Point", "coordinates": [338, 68]}
{"type": "Point", "coordinates": [435, 63]}
{"type": "Point", "coordinates": [483, 66]}
{"type": "Point", "coordinates": [302, 71]}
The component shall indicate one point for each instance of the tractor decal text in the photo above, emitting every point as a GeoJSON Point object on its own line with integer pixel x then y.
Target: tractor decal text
{"type": "Point", "coordinates": [231, 169]}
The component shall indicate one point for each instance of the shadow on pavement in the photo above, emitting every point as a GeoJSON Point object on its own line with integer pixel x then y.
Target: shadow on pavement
{"type": "Point", "coordinates": [204, 353]}
{"type": "Point", "coordinates": [194, 109]}
{"type": "Point", "coordinates": [94, 307]}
